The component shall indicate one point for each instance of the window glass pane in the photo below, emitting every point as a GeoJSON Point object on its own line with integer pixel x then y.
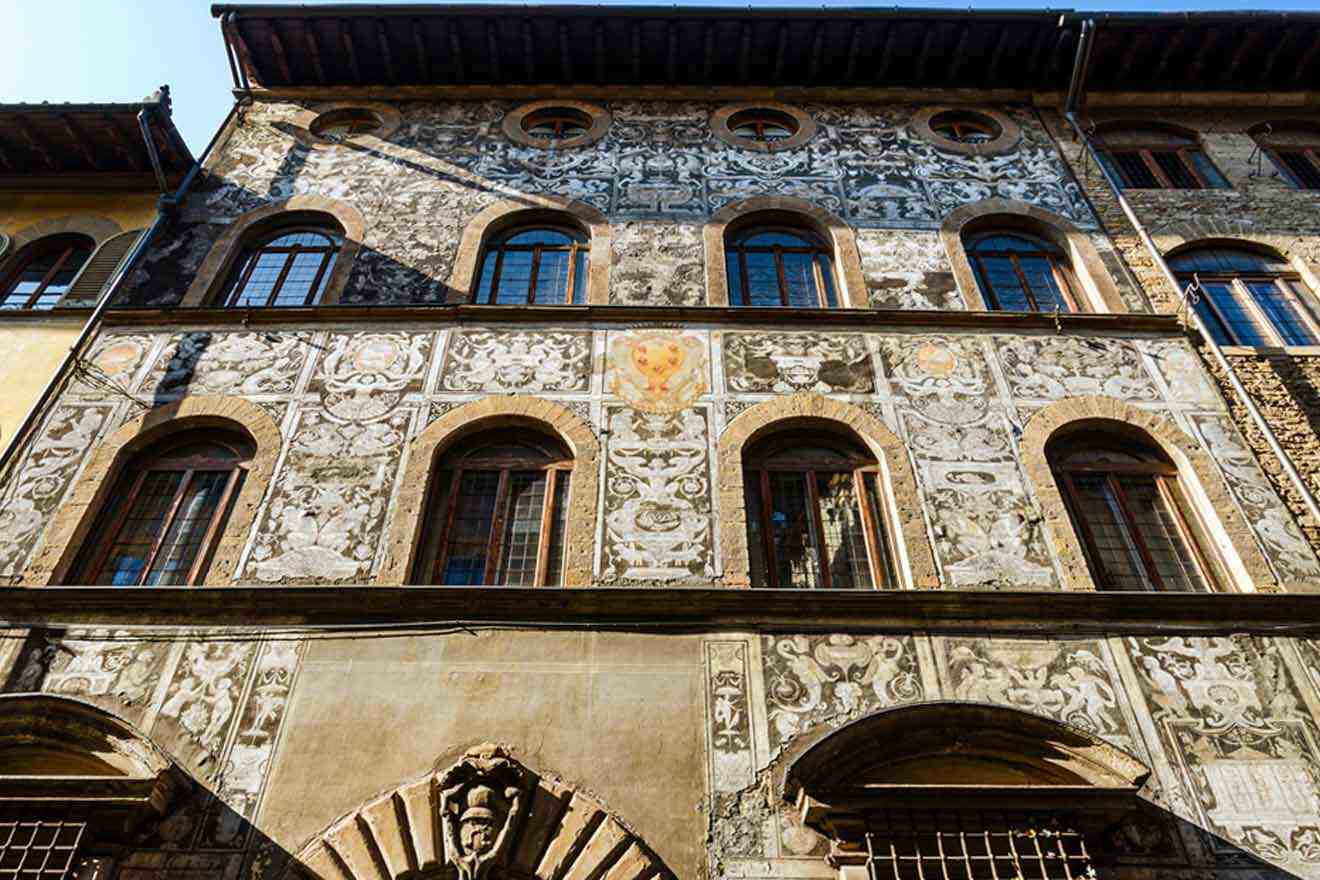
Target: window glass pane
{"type": "Point", "coordinates": [1039, 273]}
{"type": "Point", "coordinates": [777, 237]}
{"type": "Point", "coordinates": [552, 278]}
{"type": "Point", "coordinates": [141, 526]}
{"type": "Point", "coordinates": [469, 533]}
{"type": "Point", "coordinates": [762, 279]}
{"type": "Point", "coordinates": [1170, 554]}
{"type": "Point", "coordinates": [1241, 325]}
{"type": "Point", "coordinates": [1298, 168]}
{"type": "Point", "coordinates": [521, 541]}
{"type": "Point", "coordinates": [1001, 285]}
{"type": "Point", "coordinates": [196, 511]}
{"type": "Point", "coordinates": [541, 236]}
{"type": "Point", "coordinates": [1283, 311]}
{"type": "Point", "coordinates": [827, 278]}
{"type": "Point", "coordinates": [800, 279]}
{"type": "Point", "coordinates": [297, 287]}
{"type": "Point", "coordinates": [733, 267]}
{"type": "Point", "coordinates": [885, 564]}
{"type": "Point", "coordinates": [756, 551]}
{"type": "Point", "coordinates": [1206, 169]}
{"type": "Point", "coordinates": [1226, 261]}
{"type": "Point", "coordinates": [1176, 170]}
{"type": "Point", "coordinates": [1006, 243]}
{"type": "Point", "coordinates": [487, 277]}
{"type": "Point", "coordinates": [792, 531]}
{"type": "Point", "coordinates": [515, 278]}
{"type": "Point", "coordinates": [554, 567]}
{"type": "Point", "coordinates": [844, 535]}
{"type": "Point", "coordinates": [1113, 549]}
{"type": "Point", "coordinates": [261, 281]}
{"type": "Point", "coordinates": [580, 278]}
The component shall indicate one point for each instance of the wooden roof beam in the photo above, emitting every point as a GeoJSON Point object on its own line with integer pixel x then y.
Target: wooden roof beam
{"type": "Point", "coordinates": [1308, 58]}
{"type": "Point", "coordinates": [817, 50]}
{"type": "Point", "coordinates": [671, 52]}
{"type": "Point", "coordinates": [455, 51]}
{"type": "Point", "coordinates": [1208, 45]}
{"type": "Point", "coordinates": [313, 50]}
{"type": "Point", "coordinates": [960, 54]}
{"type": "Point", "coordinates": [854, 52]}
{"type": "Point", "coordinates": [123, 145]}
{"type": "Point", "coordinates": [529, 50]}
{"type": "Point", "coordinates": [1172, 49]}
{"type": "Point", "coordinates": [598, 38]}
{"type": "Point", "coordinates": [386, 55]}
{"type": "Point", "coordinates": [635, 32]}
{"type": "Point", "coordinates": [346, 37]}
{"type": "Point", "coordinates": [708, 53]}
{"type": "Point", "coordinates": [419, 49]}
{"type": "Point", "coordinates": [1279, 50]}
{"type": "Point", "coordinates": [35, 143]}
{"type": "Point", "coordinates": [1125, 64]}
{"type": "Point", "coordinates": [7, 160]}
{"type": "Point", "coordinates": [493, 50]}
{"type": "Point", "coordinates": [1063, 54]}
{"type": "Point", "coordinates": [926, 53]}
{"type": "Point", "coordinates": [781, 51]}
{"type": "Point", "coordinates": [884, 56]}
{"type": "Point", "coordinates": [993, 70]}
{"type": "Point", "coordinates": [1251, 42]}
{"type": "Point", "coordinates": [565, 52]}
{"type": "Point", "coordinates": [80, 141]}
{"type": "Point", "coordinates": [281, 58]}
{"type": "Point", "coordinates": [744, 51]}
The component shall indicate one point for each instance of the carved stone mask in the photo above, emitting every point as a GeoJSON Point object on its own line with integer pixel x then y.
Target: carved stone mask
{"type": "Point", "coordinates": [482, 802]}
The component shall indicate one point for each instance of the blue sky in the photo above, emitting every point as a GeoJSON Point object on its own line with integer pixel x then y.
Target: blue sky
{"type": "Point", "coordinates": [120, 50]}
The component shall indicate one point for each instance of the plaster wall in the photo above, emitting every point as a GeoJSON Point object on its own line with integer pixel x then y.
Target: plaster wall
{"type": "Point", "coordinates": [30, 352]}
{"type": "Point", "coordinates": [18, 210]}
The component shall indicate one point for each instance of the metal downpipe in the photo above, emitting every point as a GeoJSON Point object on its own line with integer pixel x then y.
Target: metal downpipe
{"type": "Point", "coordinates": [1069, 112]}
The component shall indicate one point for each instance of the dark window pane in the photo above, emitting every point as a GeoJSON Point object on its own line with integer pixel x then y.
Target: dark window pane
{"type": "Point", "coordinates": [1156, 523]}
{"type": "Point", "coordinates": [554, 567]}
{"type": "Point", "coordinates": [1298, 168]}
{"type": "Point", "coordinates": [1000, 282]}
{"type": "Point", "coordinates": [487, 277]}
{"type": "Point", "coordinates": [885, 564]}
{"type": "Point", "coordinates": [515, 278]}
{"type": "Point", "coordinates": [1239, 322]}
{"type": "Point", "coordinates": [142, 525]}
{"type": "Point", "coordinates": [1112, 545]}
{"type": "Point", "coordinates": [1206, 169]}
{"type": "Point", "coordinates": [756, 549]}
{"type": "Point", "coordinates": [762, 279]}
{"type": "Point", "coordinates": [792, 532]}
{"type": "Point", "coordinates": [827, 278]}
{"type": "Point", "coordinates": [580, 278]}
{"type": "Point", "coordinates": [196, 511]}
{"type": "Point", "coordinates": [734, 270]}
{"type": "Point", "coordinates": [770, 239]}
{"type": "Point", "coordinates": [521, 542]}
{"type": "Point", "coordinates": [800, 281]}
{"type": "Point", "coordinates": [552, 237]}
{"type": "Point", "coordinates": [1176, 170]}
{"type": "Point", "coordinates": [469, 533]}
{"type": "Point", "coordinates": [1039, 273]}
{"type": "Point", "coordinates": [1132, 170]}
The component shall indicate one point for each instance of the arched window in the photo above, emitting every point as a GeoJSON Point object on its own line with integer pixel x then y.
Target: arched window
{"type": "Point", "coordinates": [1248, 298]}
{"type": "Point", "coordinates": [1152, 157]}
{"type": "Point", "coordinates": [166, 512]}
{"type": "Point", "coordinates": [779, 265]}
{"type": "Point", "coordinates": [288, 267]}
{"type": "Point", "coordinates": [557, 123]}
{"type": "Point", "coordinates": [497, 512]}
{"type": "Point", "coordinates": [45, 272]}
{"type": "Point", "coordinates": [1294, 148]}
{"type": "Point", "coordinates": [1136, 525]}
{"type": "Point", "coordinates": [964, 127]}
{"type": "Point", "coordinates": [814, 514]}
{"type": "Point", "coordinates": [763, 124]}
{"type": "Point", "coordinates": [1020, 273]}
{"type": "Point", "coordinates": [541, 265]}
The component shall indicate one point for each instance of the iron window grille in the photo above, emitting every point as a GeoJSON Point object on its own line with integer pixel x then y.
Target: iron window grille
{"type": "Point", "coordinates": [975, 845]}
{"type": "Point", "coordinates": [544, 265]}
{"type": "Point", "coordinates": [964, 128]}
{"type": "Point", "coordinates": [46, 273]}
{"type": "Point", "coordinates": [1300, 166]}
{"type": "Point", "coordinates": [35, 849]}
{"type": "Point", "coordinates": [1137, 528]}
{"type": "Point", "coordinates": [166, 514]}
{"type": "Point", "coordinates": [780, 266]}
{"type": "Point", "coordinates": [499, 514]}
{"type": "Point", "coordinates": [1247, 298]}
{"type": "Point", "coordinates": [814, 515]}
{"type": "Point", "coordinates": [1159, 159]}
{"type": "Point", "coordinates": [1018, 273]}
{"type": "Point", "coordinates": [764, 125]}
{"type": "Point", "coordinates": [557, 123]}
{"type": "Point", "coordinates": [290, 268]}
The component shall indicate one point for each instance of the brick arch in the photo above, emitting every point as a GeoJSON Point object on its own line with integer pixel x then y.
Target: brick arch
{"type": "Point", "coordinates": [808, 409]}
{"type": "Point", "coordinates": [495, 218]}
{"type": "Point", "coordinates": [834, 229]}
{"type": "Point", "coordinates": [408, 520]}
{"type": "Point", "coordinates": [214, 272]}
{"type": "Point", "coordinates": [73, 521]}
{"type": "Point", "coordinates": [1228, 529]}
{"type": "Point", "coordinates": [1102, 294]}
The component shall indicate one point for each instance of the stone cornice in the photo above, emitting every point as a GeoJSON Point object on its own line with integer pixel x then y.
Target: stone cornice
{"type": "Point", "coordinates": [861, 319]}
{"type": "Point", "coordinates": [686, 609]}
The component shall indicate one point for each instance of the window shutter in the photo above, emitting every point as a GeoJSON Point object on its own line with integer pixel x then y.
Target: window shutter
{"type": "Point", "coordinates": [4, 245]}
{"type": "Point", "coordinates": [86, 290]}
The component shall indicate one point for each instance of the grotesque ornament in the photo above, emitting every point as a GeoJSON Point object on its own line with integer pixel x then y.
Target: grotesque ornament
{"type": "Point", "coordinates": [482, 800]}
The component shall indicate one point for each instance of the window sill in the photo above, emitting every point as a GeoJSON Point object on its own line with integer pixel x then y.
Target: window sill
{"type": "Point", "coordinates": [1271, 351]}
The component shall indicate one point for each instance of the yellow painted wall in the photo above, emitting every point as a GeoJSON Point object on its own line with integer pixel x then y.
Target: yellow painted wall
{"type": "Point", "coordinates": [131, 210]}
{"type": "Point", "coordinates": [32, 347]}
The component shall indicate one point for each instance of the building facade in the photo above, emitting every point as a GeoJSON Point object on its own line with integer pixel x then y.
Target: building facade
{"type": "Point", "coordinates": [77, 187]}
{"type": "Point", "coordinates": [683, 443]}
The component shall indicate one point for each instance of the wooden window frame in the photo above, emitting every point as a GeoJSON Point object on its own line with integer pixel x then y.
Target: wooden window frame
{"type": "Point", "coordinates": [1062, 272]}
{"type": "Point", "coordinates": [1165, 476]}
{"type": "Point", "coordinates": [759, 119]}
{"type": "Point", "coordinates": [580, 246]}
{"type": "Point", "coordinates": [108, 531]}
{"type": "Point", "coordinates": [734, 245]}
{"type": "Point", "coordinates": [1145, 153]}
{"type": "Point", "coordinates": [251, 255]}
{"type": "Point", "coordinates": [881, 554]}
{"type": "Point", "coordinates": [558, 118]}
{"type": "Point", "coordinates": [558, 466]}
{"type": "Point", "coordinates": [1237, 284]}
{"type": "Point", "coordinates": [71, 243]}
{"type": "Point", "coordinates": [1311, 154]}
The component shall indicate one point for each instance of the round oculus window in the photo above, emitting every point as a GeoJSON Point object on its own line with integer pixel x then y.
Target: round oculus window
{"type": "Point", "coordinates": [763, 125]}
{"type": "Point", "coordinates": [346, 123]}
{"type": "Point", "coordinates": [557, 123]}
{"type": "Point", "coordinates": [962, 127]}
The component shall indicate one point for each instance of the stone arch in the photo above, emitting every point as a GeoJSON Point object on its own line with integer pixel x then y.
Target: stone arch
{"type": "Point", "coordinates": [552, 831]}
{"type": "Point", "coordinates": [94, 226]}
{"type": "Point", "coordinates": [214, 272]}
{"type": "Point", "coordinates": [1302, 251]}
{"type": "Point", "coordinates": [97, 766]}
{"type": "Point", "coordinates": [1088, 267]}
{"type": "Point", "coordinates": [834, 229]}
{"type": "Point", "coordinates": [1227, 530]}
{"type": "Point", "coordinates": [65, 533]}
{"type": "Point", "coordinates": [408, 520]}
{"type": "Point", "coordinates": [498, 217]}
{"type": "Point", "coordinates": [813, 410]}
